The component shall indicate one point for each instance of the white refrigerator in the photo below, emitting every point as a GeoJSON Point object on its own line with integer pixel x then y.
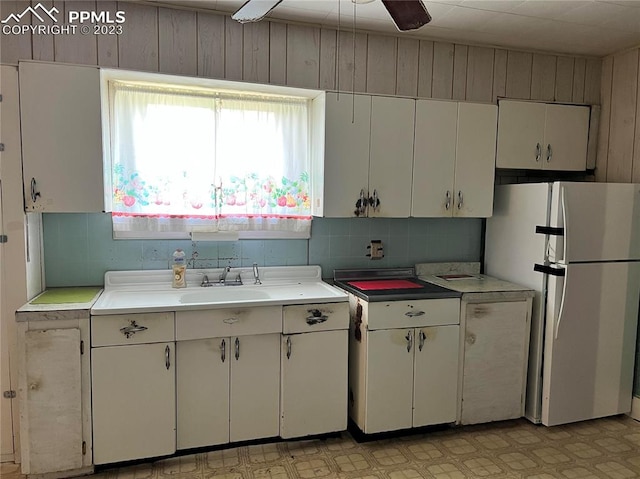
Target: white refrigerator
{"type": "Point", "coordinates": [578, 246]}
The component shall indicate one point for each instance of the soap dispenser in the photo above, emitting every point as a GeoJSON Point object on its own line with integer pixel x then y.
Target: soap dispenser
{"type": "Point", "coordinates": [179, 269]}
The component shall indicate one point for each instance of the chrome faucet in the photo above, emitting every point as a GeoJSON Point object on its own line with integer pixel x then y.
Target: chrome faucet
{"type": "Point", "coordinates": [256, 274]}
{"type": "Point", "coordinates": [223, 276]}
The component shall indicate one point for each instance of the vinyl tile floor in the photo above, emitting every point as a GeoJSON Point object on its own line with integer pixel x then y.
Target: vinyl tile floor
{"type": "Point", "coordinates": [602, 448]}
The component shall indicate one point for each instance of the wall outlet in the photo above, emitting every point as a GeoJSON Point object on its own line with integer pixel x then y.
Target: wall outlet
{"type": "Point", "coordinates": [375, 249]}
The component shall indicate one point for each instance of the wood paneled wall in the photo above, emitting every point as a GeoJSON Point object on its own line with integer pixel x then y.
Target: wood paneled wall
{"type": "Point", "coordinates": [203, 44]}
{"type": "Point", "coordinates": [618, 157]}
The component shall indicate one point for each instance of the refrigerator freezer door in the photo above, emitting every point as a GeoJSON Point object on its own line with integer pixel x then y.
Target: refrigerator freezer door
{"type": "Point", "coordinates": [590, 336]}
{"type": "Point", "coordinates": [601, 222]}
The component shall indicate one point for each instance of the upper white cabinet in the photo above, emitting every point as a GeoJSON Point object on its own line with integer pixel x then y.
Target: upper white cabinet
{"type": "Point", "coordinates": [61, 137]}
{"type": "Point", "coordinates": [453, 167]}
{"type": "Point", "coordinates": [391, 156]}
{"type": "Point", "coordinates": [542, 136]}
{"type": "Point", "coordinates": [368, 155]}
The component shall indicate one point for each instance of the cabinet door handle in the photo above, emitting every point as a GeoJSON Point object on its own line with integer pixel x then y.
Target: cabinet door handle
{"type": "Point", "coordinates": [230, 320]}
{"type": "Point", "coordinates": [538, 152]}
{"type": "Point", "coordinates": [237, 348]}
{"type": "Point", "coordinates": [409, 338]}
{"type": "Point", "coordinates": [421, 337]}
{"type": "Point", "coordinates": [132, 329]}
{"type": "Point", "coordinates": [288, 347]}
{"type": "Point", "coordinates": [413, 314]}
{"type": "Point", "coordinates": [167, 357]}
{"type": "Point", "coordinates": [223, 350]}
{"type": "Point", "coordinates": [549, 153]}
{"type": "Point", "coordinates": [447, 203]}
{"type": "Point", "coordinates": [34, 190]}
{"type": "Point", "coordinates": [460, 200]}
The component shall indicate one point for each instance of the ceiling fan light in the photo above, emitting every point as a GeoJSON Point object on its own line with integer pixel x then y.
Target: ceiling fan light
{"type": "Point", "coordinates": [254, 10]}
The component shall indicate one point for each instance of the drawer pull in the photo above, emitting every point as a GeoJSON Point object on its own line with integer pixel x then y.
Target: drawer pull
{"type": "Point", "coordinates": [230, 320]}
{"type": "Point", "coordinates": [316, 317]}
{"type": "Point", "coordinates": [132, 329]}
{"type": "Point", "coordinates": [413, 314]}
{"type": "Point", "coordinates": [223, 350]}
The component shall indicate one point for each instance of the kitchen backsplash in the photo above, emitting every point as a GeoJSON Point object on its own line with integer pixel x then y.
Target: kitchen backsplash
{"type": "Point", "coordinates": [79, 249]}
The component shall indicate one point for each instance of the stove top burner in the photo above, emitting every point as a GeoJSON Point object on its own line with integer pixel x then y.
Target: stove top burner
{"type": "Point", "coordinates": [390, 284]}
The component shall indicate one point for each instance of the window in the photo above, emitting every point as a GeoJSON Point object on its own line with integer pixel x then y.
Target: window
{"type": "Point", "coordinates": [185, 160]}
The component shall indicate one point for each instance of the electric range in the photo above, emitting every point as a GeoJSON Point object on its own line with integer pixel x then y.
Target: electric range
{"type": "Point", "coordinates": [389, 284]}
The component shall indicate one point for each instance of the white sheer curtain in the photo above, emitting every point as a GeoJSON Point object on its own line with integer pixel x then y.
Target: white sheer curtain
{"type": "Point", "coordinates": [199, 161]}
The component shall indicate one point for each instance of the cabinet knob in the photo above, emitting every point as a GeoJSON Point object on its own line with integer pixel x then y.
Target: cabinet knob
{"type": "Point", "coordinates": [34, 386]}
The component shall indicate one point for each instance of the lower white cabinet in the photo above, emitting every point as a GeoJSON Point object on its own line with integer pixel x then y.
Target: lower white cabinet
{"type": "Point", "coordinates": [403, 377]}
{"type": "Point", "coordinates": [412, 377]}
{"type": "Point", "coordinates": [133, 402]}
{"type": "Point", "coordinates": [314, 383]}
{"type": "Point", "coordinates": [133, 386]}
{"type": "Point", "coordinates": [54, 394]}
{"type": "Point", "coordinates": [228, 389]}
{"type": "Point", "coordinates": [496, 344]}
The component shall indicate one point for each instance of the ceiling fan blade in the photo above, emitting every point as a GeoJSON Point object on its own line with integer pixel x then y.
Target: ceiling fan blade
{"type": "Point", "coordinates": [254, 10]}
{"type": "Point", "coordinates": [407, 14]}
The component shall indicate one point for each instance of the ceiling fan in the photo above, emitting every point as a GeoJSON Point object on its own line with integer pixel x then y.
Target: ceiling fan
{"type": "Point", "coordinates": [406, 14]}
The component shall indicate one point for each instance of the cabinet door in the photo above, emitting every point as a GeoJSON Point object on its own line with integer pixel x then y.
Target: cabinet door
{"type": "Point", "coordinates": [389, 381]}
{"type": "Point", "coordinates": [202, 382]}
{"type": "Point", "coordinates": [434, 158]}
{"type": "Point", "coordinates": [392, 128]}
{"type": "Point", "coordinates": [314, 383]}
{"type": "Point", "coordinates": [475, 160]}
{"type": "Point", "coordinates": [52, 401]}
{"type": "Point", "coordinates": [134, 402]}
{"type": "Point", "coordinates": [566, 137]}
{"type": "Point", "coordinates": [346, 160]}
{"type": "Point", "coordinates": [520, 135]}
{"type": "Point", "coordinates": [255, 387]}
{"type": "Point", "coordinates": [61, 137]}
{"type": "Point", "coordinates": [495, 361]}
{"type": "Point", "coordinates": [435, 378]}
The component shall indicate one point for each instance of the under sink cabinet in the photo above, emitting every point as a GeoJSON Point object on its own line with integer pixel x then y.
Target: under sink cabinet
{"type": "Point", "coordinates": [228, 375]}
{"type": "Point", "coordinates": [403, 363]}
{"type": "Point", "coordinates": [133, 386]}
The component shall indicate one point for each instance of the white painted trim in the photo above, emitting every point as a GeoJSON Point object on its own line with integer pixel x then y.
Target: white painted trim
{"type": "Point", "coordinates": [635, 408]}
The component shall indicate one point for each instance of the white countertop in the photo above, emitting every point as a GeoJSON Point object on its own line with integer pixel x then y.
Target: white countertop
{"type": "Point", "coordinates": [151, 291]}
{"type": "Point", "coordinates": [476, 283]}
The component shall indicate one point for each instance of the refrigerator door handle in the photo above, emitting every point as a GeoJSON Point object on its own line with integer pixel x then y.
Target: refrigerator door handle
{"type": "Point", "coordinates": [541, 268]}
{"type": "Point", "coordinates": [561, 310]}
{"type": "Point", "coordinates": [549, 230]}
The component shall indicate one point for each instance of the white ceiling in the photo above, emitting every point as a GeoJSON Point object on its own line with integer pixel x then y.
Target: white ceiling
{"type": "Point", "coordinates": [581, 27]}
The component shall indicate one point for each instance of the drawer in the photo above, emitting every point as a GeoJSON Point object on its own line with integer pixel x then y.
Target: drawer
{"type": "Point", "coordinates": [216, 323]}
{"type": "Point", "coordinates": [304, 318]}
{"type": "Point", "coordinates": [120, 329]}
{"type": "Point", "coordinates": [409, 314]}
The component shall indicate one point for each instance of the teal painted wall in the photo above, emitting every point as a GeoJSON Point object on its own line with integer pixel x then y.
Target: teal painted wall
{"type": "Point", "coordinates": [79, 248]}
